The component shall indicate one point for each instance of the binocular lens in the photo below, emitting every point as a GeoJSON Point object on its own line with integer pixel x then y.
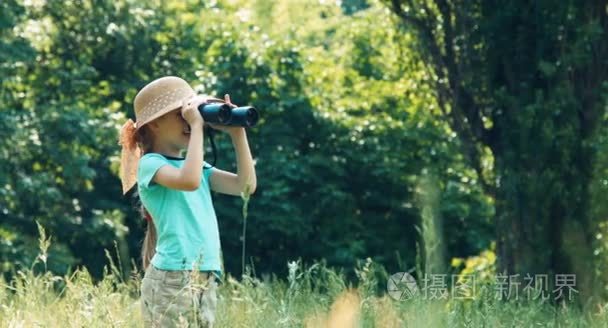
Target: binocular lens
{"type": "Point", "coordinates": [224, 113]}
{"type": "Point", "coordinates": [244, 116]}
{"type": "Point", "coordinates": [215, 113]}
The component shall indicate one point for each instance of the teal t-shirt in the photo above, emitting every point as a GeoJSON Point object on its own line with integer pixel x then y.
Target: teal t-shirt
{"type": "Point", "coordinates": [186, 225]}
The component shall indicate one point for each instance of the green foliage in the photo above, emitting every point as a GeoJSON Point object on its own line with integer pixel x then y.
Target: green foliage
{"type": "Point", "coordinates": [348, 123]}
{"type": "Point", "coordinates": [61, 114]}
{"type": "Point", "coordinates": [339, 147]}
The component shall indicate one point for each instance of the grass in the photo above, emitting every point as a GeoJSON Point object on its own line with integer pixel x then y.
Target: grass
{"type": "Point", "coordinates": [314, 296]}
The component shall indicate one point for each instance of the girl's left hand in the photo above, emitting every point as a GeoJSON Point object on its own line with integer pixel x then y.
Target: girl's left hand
{"type": "Point", "coordinates": [225, 128]}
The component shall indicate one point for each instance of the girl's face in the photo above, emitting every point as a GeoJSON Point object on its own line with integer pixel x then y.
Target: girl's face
{"type": "Point", "coordinates": [171, 130]}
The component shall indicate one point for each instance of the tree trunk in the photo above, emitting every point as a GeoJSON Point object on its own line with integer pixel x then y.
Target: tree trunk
{"type": "Point", "coordinates": [534, 70]}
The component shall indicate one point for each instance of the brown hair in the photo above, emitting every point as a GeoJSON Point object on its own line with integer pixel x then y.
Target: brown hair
{"type": "Point", "coordinates": [144, 140]}
{"type": "Point", "coordinates": [149, 244]}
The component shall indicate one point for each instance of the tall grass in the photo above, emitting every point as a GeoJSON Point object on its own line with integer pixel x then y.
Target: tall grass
{"type": "Point", "coordinates": [313, 296]}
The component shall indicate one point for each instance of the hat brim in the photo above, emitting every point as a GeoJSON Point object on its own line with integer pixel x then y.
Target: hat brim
{"type": "Point", "coordinates": [169, 108]}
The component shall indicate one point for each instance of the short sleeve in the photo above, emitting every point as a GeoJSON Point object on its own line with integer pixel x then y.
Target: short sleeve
{"type": "Point", "coordinates": [148, 165]}
{"type": "Point", "coordinates": [207, 170]}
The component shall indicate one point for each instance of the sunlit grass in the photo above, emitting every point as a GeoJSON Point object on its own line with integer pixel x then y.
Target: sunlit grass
{"type": "Point", "coordinates": [313, 296]}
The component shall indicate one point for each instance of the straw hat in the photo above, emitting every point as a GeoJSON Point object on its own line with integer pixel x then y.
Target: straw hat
{"type": "Point", "coordinates": [160, 97]}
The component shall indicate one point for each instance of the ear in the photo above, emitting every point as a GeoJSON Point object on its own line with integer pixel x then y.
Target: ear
{"type": "Point", "coordinates": [153, 126]}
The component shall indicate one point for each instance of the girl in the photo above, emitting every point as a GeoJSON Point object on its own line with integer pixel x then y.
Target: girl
{"type": "Point", "coordinates": [181, 251]}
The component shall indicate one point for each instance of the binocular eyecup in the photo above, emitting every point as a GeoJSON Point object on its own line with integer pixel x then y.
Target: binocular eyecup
{"type": "Point", "coordinates": [223, 114]}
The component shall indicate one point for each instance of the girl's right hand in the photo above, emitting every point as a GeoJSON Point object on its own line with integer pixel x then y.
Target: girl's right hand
{"type": "Point", "coordinates": [190, 111]}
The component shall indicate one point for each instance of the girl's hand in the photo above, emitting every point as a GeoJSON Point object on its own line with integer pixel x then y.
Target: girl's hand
{"type": "Point", "coordinates": [190, 111]}
{"type": "Point", "coordinates": [225, 128]}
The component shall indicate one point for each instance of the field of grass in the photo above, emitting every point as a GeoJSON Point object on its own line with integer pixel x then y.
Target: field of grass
{"type": "Point", "coordinates": [313, 296]}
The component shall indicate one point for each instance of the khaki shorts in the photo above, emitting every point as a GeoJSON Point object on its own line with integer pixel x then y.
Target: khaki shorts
{"type": "Point", "coordinates": [178, 298]}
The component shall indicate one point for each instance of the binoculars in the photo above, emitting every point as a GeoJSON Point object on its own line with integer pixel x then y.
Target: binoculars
{"type": "Point", "coordinates": [222, 113]}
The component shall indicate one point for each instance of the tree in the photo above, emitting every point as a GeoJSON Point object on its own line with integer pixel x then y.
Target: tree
{"type": "Point", "coordinates": [339, 151]}
{"type": "Point", "coordinates": [526, 81]}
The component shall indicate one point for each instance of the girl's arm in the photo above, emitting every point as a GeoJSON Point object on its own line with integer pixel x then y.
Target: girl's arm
{"type": "Point", "coordinates": [233, 184]}
{"type": "Point", "coordinates": [188, 177]}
